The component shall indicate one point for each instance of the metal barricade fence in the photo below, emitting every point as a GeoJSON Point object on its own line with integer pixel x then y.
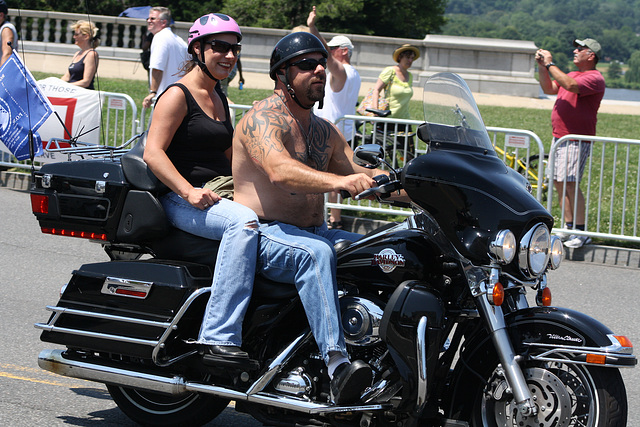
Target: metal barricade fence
{"type": "Point", "coordinates": [610, 186]}
{"type": "Point", "coordinates": [400, 143]}
{"type": "Point", "coordinates": [518, 151]}
{"type": "Point", "coordinates": [119, 123]}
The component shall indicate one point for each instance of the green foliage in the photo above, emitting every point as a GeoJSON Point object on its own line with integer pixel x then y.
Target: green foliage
{"type": "Point", "coordinates": [400, 18]}
{"type": "Point", "coordinates": [614, 71]}
{"type": "Point", "coordinates": [633, 73]}
{"type": "Point", "coordinates": [550, 24]}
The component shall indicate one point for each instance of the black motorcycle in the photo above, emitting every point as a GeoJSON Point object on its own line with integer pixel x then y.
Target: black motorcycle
{"type": "Point", "coordinates": [437, 304]}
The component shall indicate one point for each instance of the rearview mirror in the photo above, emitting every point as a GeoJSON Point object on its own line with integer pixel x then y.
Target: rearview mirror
{"type": "Point", "coordinates": [368, 155]}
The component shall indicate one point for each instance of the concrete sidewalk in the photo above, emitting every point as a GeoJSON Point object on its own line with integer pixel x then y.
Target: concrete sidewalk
{"type": "Point", "coordinates": [593, 254]}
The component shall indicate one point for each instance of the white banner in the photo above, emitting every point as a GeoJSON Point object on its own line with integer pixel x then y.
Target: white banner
{"type": "Point", "coordinates": [79, 110]}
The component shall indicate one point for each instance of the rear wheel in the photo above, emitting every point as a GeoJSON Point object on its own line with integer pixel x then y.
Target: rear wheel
{"type": "Point", "coordinates": [564, 395]}
{"type": "Point", "coordinates": [158, 409]}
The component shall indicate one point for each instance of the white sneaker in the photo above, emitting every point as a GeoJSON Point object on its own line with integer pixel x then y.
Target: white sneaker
{"type": "Point", "coordinates": [577, 241]}
{"type": "Point", "coordinates": [564, 236]}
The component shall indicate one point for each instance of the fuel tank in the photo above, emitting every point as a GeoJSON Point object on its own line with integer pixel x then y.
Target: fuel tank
{"type": "Point", "coordinates": [385, 258]}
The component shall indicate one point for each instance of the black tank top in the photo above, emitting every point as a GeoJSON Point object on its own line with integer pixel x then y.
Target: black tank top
{"type": "Point", "coordinates": [76, 72]}
{"type": "Point", "coordinates": [198, 146]}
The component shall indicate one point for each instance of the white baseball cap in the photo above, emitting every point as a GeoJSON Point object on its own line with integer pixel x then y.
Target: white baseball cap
{"type": "Point", "coordinates": [340, 41]}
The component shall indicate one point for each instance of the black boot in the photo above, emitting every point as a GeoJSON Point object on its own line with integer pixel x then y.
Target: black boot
{"type": "Point", "coordinates": [223, 354]}
{"type": "Point", "coordinates": [349, 381]}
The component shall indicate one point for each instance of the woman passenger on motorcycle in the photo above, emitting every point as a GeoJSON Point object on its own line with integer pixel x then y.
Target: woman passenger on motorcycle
{"type": "Point", "coordinates": [188, 144]}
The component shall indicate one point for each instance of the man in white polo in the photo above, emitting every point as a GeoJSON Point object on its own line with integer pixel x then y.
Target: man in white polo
{"type": "Point", "coordinates": [168, 53]}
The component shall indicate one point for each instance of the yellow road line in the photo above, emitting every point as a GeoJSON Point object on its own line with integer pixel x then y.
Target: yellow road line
{"type": "Point", "coordinates": [18, 372]}
{"type": "Point", "coordinates": [33, 380]}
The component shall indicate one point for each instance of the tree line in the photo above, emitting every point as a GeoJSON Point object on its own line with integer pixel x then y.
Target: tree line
{"type": "Point", "coordinates": [552, 25]}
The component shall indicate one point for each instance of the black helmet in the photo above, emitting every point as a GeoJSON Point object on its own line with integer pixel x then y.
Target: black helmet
{"type": "Point", "coordinates": [292, 45]}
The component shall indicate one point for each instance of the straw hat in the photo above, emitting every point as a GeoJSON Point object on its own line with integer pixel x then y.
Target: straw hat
{"type": "Point", "coordinates": [404, 48]}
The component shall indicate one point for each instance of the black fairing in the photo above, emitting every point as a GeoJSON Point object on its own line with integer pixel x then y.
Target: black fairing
{"type": "Point", "coordinates": [472, 195]}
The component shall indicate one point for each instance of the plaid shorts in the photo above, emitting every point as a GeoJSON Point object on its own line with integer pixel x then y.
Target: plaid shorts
{"type": "Point", "coordinates": [570, 160]}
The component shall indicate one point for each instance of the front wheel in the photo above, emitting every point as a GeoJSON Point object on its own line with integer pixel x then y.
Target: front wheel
{"type": "Point", "coordinates": [564, 395]}
{"type": "Point", "coordinates": [157, 409]}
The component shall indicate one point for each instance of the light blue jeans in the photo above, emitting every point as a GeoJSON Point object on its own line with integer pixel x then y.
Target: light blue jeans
{"type": "Point", "coordinates": [306, 258]}
{"type": "Point", "coordinates": [236, 226]}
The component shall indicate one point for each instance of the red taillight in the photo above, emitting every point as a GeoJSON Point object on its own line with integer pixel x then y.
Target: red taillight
{"type": "Point", "coordinates": [40, 204]}
{"type": "Point", "coordinates": [73, 233]}
{"type": "Point", "coordinates": [131, 293]}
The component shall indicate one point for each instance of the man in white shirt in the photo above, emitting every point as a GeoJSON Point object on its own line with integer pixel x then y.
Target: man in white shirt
{"type": "Point", "coordinates": [8, 33]}
{"type": "Point", "coordinates": [168, 53]}
{"type": "Point", "coordinates": [341, 93]}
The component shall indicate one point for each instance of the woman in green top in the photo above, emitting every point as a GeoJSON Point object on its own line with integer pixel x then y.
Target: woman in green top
{"type": "Point", "coordinates": [398, 82]}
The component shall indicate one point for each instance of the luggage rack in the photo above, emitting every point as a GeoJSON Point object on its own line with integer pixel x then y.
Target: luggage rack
{"type": "Point", "coordinates": [71, 148]}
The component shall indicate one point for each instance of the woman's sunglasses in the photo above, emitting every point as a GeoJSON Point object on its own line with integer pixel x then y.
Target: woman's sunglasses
{"type": "Point", "coordinates": [309, 64]}
{"type": "Point", "coordinates": [224, 47]}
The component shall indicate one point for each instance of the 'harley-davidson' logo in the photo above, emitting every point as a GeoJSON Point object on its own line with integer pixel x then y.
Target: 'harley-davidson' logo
{"type": "Point", "coordinates": [388, 260]}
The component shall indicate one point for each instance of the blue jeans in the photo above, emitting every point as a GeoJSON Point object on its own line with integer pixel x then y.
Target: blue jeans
{"type": "Point", "coordinates": [306, 258]}
{"type": "Point", "coordinates": [236, 226]}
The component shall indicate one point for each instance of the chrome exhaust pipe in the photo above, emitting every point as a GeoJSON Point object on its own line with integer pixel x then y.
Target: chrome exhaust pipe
{"type": "Point", "coordinates": [54, 361]}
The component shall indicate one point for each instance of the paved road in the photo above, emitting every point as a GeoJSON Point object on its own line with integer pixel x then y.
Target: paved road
{"type": "Point", "coordinates": [33, 266]}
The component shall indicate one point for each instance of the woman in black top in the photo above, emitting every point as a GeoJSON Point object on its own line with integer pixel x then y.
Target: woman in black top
{"type": "Point", "coordinates": [189, 144]}
{"type": "Point", "coordinates": [83, 67]}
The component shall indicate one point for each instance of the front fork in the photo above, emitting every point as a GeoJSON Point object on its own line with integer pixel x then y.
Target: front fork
{"type": "Point", "coordinates": [494, 320]}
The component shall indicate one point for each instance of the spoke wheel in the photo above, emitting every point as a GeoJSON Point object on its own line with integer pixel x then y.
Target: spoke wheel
{"type": "Point", "coordinates": [158, 409]}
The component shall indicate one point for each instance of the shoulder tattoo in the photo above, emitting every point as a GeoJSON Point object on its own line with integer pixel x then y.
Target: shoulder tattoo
{"type": "Point", "coordinates": [263, 128]}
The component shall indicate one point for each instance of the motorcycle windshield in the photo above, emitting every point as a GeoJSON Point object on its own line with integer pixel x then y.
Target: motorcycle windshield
{"type": "Point", "coordinates": [451, 114]}
{"type": "Point", "coordinates": [460, 181]}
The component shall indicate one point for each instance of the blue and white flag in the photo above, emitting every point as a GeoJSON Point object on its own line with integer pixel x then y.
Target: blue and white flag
{"type": "Point", "coordinates": [23, 107]}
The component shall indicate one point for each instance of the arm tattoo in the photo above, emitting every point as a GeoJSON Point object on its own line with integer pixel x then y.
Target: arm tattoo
{"type": "Point", "coordinates": [319, 146]}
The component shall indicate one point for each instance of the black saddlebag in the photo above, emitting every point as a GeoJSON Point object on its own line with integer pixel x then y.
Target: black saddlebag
{"type": "Point", "coordinates": [93, 199]}
{"type": "Point", "coordinates": [141, 309]}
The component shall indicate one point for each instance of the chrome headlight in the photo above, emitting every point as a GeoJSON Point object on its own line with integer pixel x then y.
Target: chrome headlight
{"type": "Point", "coordinates": [534, 253]}
{"type": "Point", "coordinates": [557, 252]}
{"type": "Point", "coordinates": [503, 247]}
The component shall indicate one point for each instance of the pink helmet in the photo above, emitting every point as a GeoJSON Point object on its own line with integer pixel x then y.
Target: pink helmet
{"type": "Point", "coordinates": [213, 23]}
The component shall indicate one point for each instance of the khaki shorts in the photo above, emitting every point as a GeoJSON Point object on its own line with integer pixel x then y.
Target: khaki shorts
{"type": "Point", "coordinates": [570, 160]}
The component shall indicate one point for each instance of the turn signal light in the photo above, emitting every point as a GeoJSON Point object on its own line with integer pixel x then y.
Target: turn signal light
{"type": "Point", "coordinates": [497, 295]}
{"type": "Point", "coordinates": [546, 297]}
{"type": "Point", "coordinates": [73, 233]}
{"type": "Point", "coordinates": [543, 297]}
{"type": "Point", "coordinates": [624, 341]}
{"type": "Point", "coordinates": [598, 359]}
{"type": "Point", "coordinates": [39, 204]}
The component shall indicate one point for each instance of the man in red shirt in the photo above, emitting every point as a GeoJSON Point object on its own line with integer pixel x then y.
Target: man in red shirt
{"type": "Point", "coordinates": [575, 112]}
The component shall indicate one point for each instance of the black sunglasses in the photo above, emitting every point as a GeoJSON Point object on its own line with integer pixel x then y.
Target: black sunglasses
{"type": "Point", "coordinates": [581, 48]}
{"type": "Point", "coordinates": [224, 47]}
{"type": "Point", "coordinates": [309, 64]}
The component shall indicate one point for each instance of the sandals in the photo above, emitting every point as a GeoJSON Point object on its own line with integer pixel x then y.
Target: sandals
{"type": "Point", "coordinates": [335, 225]}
